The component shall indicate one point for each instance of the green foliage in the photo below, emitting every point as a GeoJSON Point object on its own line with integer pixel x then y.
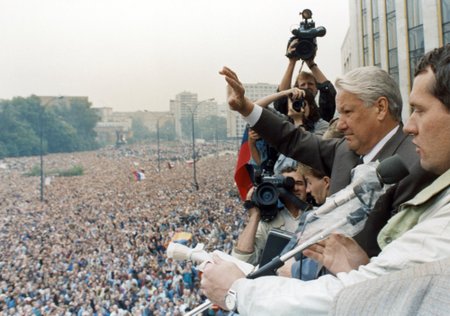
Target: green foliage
{"type": "Point", "coordinates": [76, 170]}
{"type": "Point", "coordinates": [17, 135]}
{"type": "Point", "coordinates": [66, 127]}
{"type": "Point", "coordinates": [72, 172]}
{"type": "Point", "coordinates": [34, 172]}
{"type": "Point", "coordinates": [79, 116]}
{"type": "Point", "coordinates": [140, 131]}
{"type": "Point", "coordinates": [167, 131]}
{"type": "Point", "coordinates": [208, 128]}
{"type": "Point", "coordinates": [212, 128]}
{"type": "Point", "coordinates": [3, 150]}
{"type": "Point", "coordinates": [186, 127]}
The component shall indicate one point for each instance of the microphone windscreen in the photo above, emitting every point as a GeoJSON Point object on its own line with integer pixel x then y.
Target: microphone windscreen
{"type": "Point", "coordinates": [392, 170]}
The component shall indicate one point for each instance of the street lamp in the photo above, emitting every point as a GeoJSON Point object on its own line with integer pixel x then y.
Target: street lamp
{"type": "Point", "coordinates": [158, 137]}
{"type": "Point", "coordinates": [41, 141]}
{"type": "Point", "coordinates": [157, 142]}
{"type": "Point", "coordinates": [193, 110]}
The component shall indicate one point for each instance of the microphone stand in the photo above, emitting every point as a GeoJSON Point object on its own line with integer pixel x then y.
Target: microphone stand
{"type": "Point", "coordinates": [277, 262]}
{"type": "Point", "coordinates": [393, 171]}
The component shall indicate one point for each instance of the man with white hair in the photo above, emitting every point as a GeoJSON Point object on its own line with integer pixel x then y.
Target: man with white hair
{"type": "Point", "coordinates": [418, 233]}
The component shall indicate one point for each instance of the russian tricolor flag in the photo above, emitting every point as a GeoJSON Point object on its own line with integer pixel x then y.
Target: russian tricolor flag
{"type": "Point", "coordinates": [243, 172]}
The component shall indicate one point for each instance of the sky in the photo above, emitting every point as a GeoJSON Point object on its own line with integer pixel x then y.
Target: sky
{"type": "Point", "coordinates": [135, 55]}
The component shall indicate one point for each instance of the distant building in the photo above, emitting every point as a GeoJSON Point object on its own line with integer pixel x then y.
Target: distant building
{"type": "Point", "coordinates": [253, 91]}
{"type": "Point", "coordinates": [185, 104]}
{"type": "Point", "coordinates": [112, 126]}
{"type": "Point", "coordinates": [393, 35]}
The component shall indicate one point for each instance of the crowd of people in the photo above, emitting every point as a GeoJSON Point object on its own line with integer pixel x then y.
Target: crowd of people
{"type": "Point", "coordinates": [97, 244]}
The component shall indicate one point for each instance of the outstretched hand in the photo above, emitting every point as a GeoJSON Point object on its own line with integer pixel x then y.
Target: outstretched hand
{"type": "Point", "coordinates": [236, 93]}
{"type": "Point", "coordinates": [338, 253]}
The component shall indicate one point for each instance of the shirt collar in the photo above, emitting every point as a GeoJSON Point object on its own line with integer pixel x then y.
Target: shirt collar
{"type": "Point", "coordinates": [368, 158]}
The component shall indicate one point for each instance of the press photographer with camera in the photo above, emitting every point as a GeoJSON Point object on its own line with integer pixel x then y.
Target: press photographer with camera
{"type": "Point", "coordinates": [302, 111]}
{"type": "Point", "coordinates": [303, 46]}
{"type": "Point", "coordinates": [265, 215]}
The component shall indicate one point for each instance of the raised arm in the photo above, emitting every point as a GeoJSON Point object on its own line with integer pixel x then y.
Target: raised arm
{"type": "Point", "coordinates": [265, 101]}
{"type": "Point", "coordinates": [286, 81]}
{"type": "Point", "coordinates": [327, 97]}
{"type": "Point", "coordinates": [236, 93]}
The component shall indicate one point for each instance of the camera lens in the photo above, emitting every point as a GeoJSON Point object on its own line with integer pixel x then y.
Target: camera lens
{"type": "Point", "coordinates": [305, 49]}
{"type": "Point", "coordinates": [298, 104]}
{"type": "Point", "coordinates": [266, 195]}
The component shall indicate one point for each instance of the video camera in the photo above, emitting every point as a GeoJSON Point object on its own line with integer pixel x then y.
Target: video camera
{"type": "Point", "coordinates": [269, 189]}
{"type": "Point", "coordinates": [306, 35]}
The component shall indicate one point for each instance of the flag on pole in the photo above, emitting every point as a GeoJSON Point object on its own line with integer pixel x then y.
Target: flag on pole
{"type": "Point", "coordinates": [243, 171]}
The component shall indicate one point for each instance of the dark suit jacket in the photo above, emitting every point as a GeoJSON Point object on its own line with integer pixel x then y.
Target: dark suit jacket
{"type": "Point", "coordinates": [333, 157]}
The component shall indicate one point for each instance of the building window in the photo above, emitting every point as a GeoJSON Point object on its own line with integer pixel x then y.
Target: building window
{"type": "Point", "coordinates": [445, 8]}
{"type": "Point", "coordinates": [392, 40]}
{"type": "Point", "coordinates": [376, 34]}
{"type": "Point", "coordinates": [415, 35]}
{"type": "Point", "coordinates": [365, 34]}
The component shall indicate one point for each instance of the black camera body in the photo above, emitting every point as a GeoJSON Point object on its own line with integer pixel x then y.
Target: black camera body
{"type": "Point", "coordinates": [298, 104]}
{"type": "Point", "coordinates": [268, 190]}
{"type": "Point", "coordinates": [306, 35]}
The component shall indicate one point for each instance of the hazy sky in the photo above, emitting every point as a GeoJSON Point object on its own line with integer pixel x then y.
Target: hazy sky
{"type": "Point", "coordinates": [138, 54]}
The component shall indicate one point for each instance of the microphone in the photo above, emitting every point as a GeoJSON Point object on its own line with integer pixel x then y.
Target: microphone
{"type": "Point", "coordinates": [391, 170]}
{"type": "Point", "coordinates": [199, 255]}
{"type": "Point", "coordinates": [354, 206]}
{"type": "Point", "coordinates": [366, 178]}
{"type": "Point", "coordinates": [181, 252]}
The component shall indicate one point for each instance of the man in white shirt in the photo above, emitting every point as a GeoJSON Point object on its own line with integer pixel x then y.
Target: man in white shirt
{"type": "Point", "coordinates": [419, 233]}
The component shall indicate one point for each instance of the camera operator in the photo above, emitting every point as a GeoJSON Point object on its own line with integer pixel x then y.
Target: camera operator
{"type": "Point", "coordinates": [315, 81]}
{"type": "Point", "coordinates": [303, 45]}
{"type": "Point", "coordinates": [252, 240]}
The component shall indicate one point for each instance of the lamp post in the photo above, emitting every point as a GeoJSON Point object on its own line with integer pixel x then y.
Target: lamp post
{"type": "Point", "coordinates": [41, 143]}
{"type": "Point", "coordinates": [157, 142]}
{"type": "Point", "coordinates": [158, 138]}
{"type": "Point", "coordinates": [193, 110]}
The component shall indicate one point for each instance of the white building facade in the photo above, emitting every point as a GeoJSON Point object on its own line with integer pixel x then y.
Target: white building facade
{"type": "Point", "coordinates": [253, 91]}
{"type": "Point", "coordinates": [186, 104]}
{"type": "Point", "coordinates": [393, 35]}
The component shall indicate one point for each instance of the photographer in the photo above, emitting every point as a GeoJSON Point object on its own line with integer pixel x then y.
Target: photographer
{"type": "Point", "coordinates": [314, 81]}
{"type": "Point", "coordinates": [252, 240]}
{"type": "Point", "coordinates": [302, 111]}
{"type": "Point", "coordinates": [303, 45]}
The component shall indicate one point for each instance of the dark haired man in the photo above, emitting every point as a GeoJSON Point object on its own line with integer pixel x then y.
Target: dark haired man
{"type": "Point", "coordinates": [252, 239]}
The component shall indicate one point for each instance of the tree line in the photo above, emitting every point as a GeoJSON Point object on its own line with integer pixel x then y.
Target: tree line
{"type": "Point", "coordinates": [25, 124]}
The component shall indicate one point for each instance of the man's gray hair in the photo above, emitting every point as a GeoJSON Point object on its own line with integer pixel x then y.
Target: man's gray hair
{"type": "Point", "coordinates": [370, 83]}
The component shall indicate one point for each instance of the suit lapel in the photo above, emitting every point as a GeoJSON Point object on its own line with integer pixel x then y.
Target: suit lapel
{"type": "Point", "coordinates": [390, 148]}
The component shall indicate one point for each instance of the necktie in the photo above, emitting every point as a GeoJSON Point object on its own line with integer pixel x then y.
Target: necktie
{"type": "Point", "coordinates": [361, 160]}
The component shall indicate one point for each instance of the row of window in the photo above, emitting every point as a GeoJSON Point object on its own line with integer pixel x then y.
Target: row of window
{"type": "Point", "coordinates": [415, 32]}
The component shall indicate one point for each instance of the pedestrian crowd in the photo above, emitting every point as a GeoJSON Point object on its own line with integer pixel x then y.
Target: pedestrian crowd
{"type": "Point", "coordinates": [97, 243]}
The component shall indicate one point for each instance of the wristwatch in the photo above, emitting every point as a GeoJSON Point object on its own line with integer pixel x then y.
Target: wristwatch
{"type": "Point", "coordinates": [248, 204]}
{"type": "Point", "coordinates": [231, 300]}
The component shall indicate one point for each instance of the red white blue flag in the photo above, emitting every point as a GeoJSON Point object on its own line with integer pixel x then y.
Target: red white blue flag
{"type": "Point", "coordinates": [243, 171]}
